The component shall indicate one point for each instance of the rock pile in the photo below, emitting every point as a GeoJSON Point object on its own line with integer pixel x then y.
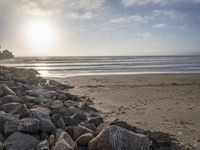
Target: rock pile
{"type": "Point", "coordinates": [39, 114]}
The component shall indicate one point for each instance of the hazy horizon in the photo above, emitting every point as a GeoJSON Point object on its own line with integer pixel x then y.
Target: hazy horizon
{"type": "Point", "coordinates": [100, 27]}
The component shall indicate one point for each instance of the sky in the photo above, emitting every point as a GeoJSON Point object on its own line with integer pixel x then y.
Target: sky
{"type": "Point", "coordinates": [100, 27]}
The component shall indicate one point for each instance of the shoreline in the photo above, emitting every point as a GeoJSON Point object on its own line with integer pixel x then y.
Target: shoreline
{"type": "Point", "coordinates": [158, 102]}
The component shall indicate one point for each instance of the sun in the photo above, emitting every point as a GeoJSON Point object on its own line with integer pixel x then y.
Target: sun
{"type": "Point", "coordinates": [40, 36]}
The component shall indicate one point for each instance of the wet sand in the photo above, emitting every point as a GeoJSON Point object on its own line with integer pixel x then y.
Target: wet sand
{"type": "Point", "coordinates": [166, 102]}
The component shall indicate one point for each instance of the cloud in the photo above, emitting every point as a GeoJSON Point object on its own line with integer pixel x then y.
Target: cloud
{"type": "Point", "coordinates": [155, 16]}
{"type": "Point", "coordinates": [77, 9]}
{"type": "Point", "coordinates": [160, 25]}
{"type": "Point", "coordinates": [79, 16]}
{"type": "Point", "coordinates": [129, 18]}
{"type": "Point", "coordinates": [156, 2]}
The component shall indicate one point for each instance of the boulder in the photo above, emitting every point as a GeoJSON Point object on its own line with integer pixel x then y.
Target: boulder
{"type": "Point", "coordinates": [79, 117]}
{"type": "Point", "coordinates": [9, 99]}
{"type": "Point", "coordinates": [43, 145]}
{"type": "Point", "coordinates": [60, 123]}
{"type": "Point", "coordinates": [91, 126]}
{"type": "Point", "coordinates": [1, 146]}
{"type": "Point", "coordinates": [21, 141]}
{"type": "Point", "coordinates": [7, 90]}
{"type": "Point", "coordinates": [51, 140]}
{"type": "Point", "coordinates": [29, 125]}
{"type": "Point", "coordinates": [85, 139]}
{"type": "Point", "coordinates": [160, 139]}
{"type": "Point", "coordinates": [7, 118]}
{"type": "Point", "coordinates": [63, 141]}
{"type": "Point", "coordinates": [96, 120]}
{"type": "Point", "coordinates": [48, 95]}
{"type": "Point", "coordinates": [117, 138]}
{"type": "Point", "coordinates": [22, 111]}
{"type": "Point", "coordinates": [129, 127]}
{"type": "Point", "coordinates": [10, 127]}
{"type": "Point", "coordinates": [76, 131]}
{"type": "Point", "coordinates": [46, 125]}
{"type": "Point", "coordinates": [11, 106]}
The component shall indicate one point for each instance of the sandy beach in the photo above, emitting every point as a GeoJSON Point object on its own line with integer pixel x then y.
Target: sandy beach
{"type": "Point", "coordinates": [166, 102]}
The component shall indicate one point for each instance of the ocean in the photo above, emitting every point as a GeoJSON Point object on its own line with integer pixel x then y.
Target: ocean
{"type": "Point", "coordinates": [96, 65]}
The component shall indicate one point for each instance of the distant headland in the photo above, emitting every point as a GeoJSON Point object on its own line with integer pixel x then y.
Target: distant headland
{"type": "Point", "coordinates": [6, 54]}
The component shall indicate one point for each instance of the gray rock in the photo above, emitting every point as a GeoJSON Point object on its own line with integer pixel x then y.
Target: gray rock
{"type": "Point", "coordinates": [2, 138]}
{"type": "Point", "coordinates": [5, 118]}
{"type": "Point", "coordinates": [22, 111]}
{"type": "Point", "coordinates": [76, 131]}
{"type": "Point", "coordinates": [68, 121]}
{"type": "Point", "coordinates": [51, 140]}
{"type": "Point", "coordinates": [48, 95]}
{"type": "Point", "coordinates": [43, 145]}
{"type": "Point", "coordinates": [63, 141]}
{"type": "Point", "coordinates": [160, 139]}
{"type": "Point", "coordinates": [96, 120]}
{"type": "Point", "coordinates": [10, 127]}
{"type": "Point", "coordinates": [10, 98]}
{"type": "Point", "coordinates": [129, 127]}
{"type": "Point", "coordinates": [21, 141]}
{"type": "Point", "coordinates": [57, 104]}
{"type": "Point", "coordinates": [60, 123]}
{"type": "Point", "coordinates": [79, 117]}
{"type": "Point", "coordinates": [1, 146]}
{"type": "Point", "coordinates": [70, 103]}
{"type": "Point", "coordinates": [91, 126]}
{"type": "Point", "coordinates": [46, 125]}
{"type": "Point", "coordinates": [8, 91]}
{"type": "Point", "coordinates": [85, 139]}
{"type": "Point", "coordinates": [29, 125]}
{"type": "Point", "coordinates": [117, 138]}
{"type": "Point", "coordinates": [11, 106]}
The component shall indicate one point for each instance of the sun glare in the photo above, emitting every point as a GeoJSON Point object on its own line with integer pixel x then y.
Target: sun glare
{"type": "Point", "coordinates": [40, 36]}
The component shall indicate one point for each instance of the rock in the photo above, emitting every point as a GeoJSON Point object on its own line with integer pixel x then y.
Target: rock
{"type": "Point", "coordinates": [46, 125]}
{"type": "Point", "coordinates": [117, 138]}
{"type": "Point", "coordinates": [1, 91]}
{"type": "Point", "coordinates": [7, 118]}
{"type": "Point", "coordinates": [76, 131]}
{"type": "Point", "coordinates": [1, 146]}
{"type": "Point", "coordinates": [160, 139]}
{"type": "Point", "coordinates": [22, 111]}
{"type": "Point", "coordinates": [2, 138]}
{"type": "Point", "coordinates": [70, 103]}
{"type": "Point", "coordinates": [43, 145]}
{"type": "Point", "coordinates": [29, 125]}
{"type": "Point", "coordinates": [96, 120]}
{"type": "Point", "coordinates": [68, 121]}
{"type": "Point", "coordinates": [51, 140]}
{"type": "Point", "coordinates": [49, 95]}
{"type": "Point", "coordinates": [129, 127]}
{"type": "Point", "coordinates": [91, 126]}
{"type": "Point", "coordinates": [10, 127]}
{"type": "Point", "coordinates": [8, 91]}
{"type": "Point", "coordinates": [21, 141]}
{"type": "Point", "coordinates": [10, 98]}
{"type": "Point", "coordinates": [6, 54]}
{"type": "Point", "coordinates": [44, 136]}
{"type": "Point", "coordinates": [57, 104]}
{"type": "Point", "coordinates": [85, 139]}
{"type": "Point", "coordinates": [79, 117]}
{"type": "Point", "coordinates": [60, 123]}
{"type": "Point", "coordinates": [63, 141]}
{"type": "Point", "coordinates": [11, 106]}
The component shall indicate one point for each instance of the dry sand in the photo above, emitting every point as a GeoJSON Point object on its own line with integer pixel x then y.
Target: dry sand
{"type": "Point", "coordinates": [166, 102]}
